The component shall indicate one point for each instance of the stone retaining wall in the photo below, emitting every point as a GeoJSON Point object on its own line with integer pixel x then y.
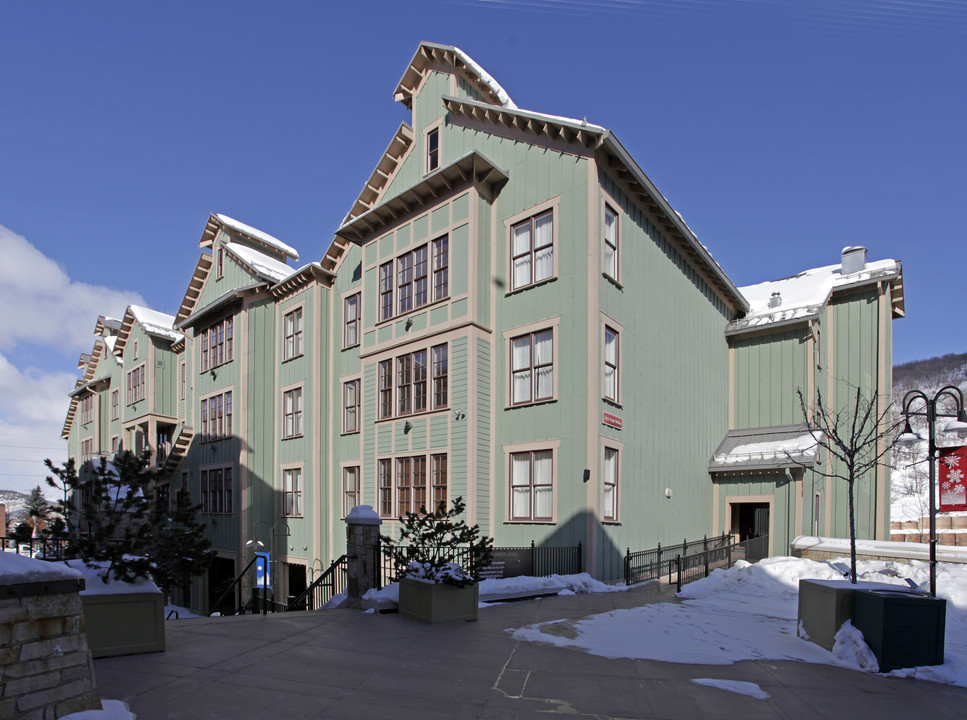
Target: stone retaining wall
{"type": "Point", "coordinates": [45, 666]}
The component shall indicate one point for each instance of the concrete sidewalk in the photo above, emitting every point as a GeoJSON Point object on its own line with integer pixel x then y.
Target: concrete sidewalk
{"type": "Point", "coordinates": [346, 664]}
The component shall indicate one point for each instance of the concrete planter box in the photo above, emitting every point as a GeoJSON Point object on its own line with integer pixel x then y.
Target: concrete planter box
{"type": "Point", "coordinates": [824, 605]}
{"type": "Point", "coordinates": [437, 602]}
{"type": "Point", "coordinates": [124, 624]}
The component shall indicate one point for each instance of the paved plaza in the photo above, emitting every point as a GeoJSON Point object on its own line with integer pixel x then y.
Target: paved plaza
{"type": "Point", "coordinates": [347, 664]}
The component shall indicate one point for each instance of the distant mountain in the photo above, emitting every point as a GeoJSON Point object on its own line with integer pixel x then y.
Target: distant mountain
{"type": "Point", "coordinates": [929, 375]}
{"type": "Point", "coordinates": [15, 502]}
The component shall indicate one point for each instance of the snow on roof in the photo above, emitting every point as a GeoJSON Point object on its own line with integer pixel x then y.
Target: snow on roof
{"type": "Point", "coordinates": [762, 448]}
{"type": "Point", "coordinates": [486, 79]}
{"type": "Point", "coordinates": [262, 264]}
{"type": "Point", "coordinates": [155, 323]}
{"type": "Point", "coordinates": [257, 234]}
{"type": "Point", "coordinates": [805, 294]}
{"type": "Point", "coordinates": [16, 569]}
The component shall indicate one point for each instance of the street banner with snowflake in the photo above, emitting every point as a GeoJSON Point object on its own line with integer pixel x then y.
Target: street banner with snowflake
{"type": "Point", "coordinates": [953, 483]}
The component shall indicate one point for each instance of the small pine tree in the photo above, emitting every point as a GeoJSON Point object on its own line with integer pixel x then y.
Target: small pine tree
{"type": "Point", "coordinates": [108, 531]}
{"type": "Point", "coordinates": [434, 540]}
{"type": "Point", "coordinates": [37, 508]}
{"type": "Point", "coordinates": [178, 548]}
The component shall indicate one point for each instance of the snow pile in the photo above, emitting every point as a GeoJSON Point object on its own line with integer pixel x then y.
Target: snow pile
{"type": "Point", "coordinates": [112, 710]}
{"type": "Point", "coordinates": [260, 263]}
{"type": "Point", "coordinates": [571, 584]}
{"type": "Point", "coordinates": [113, 586]}
{"type": "Point", "coordinates": [156, 323]}
{"type": "Point", "coordinates": [850, 647]}
{"type": "Point", "coordinates": [749, 613]}
{"type": "Point", "coordinates": [16, 569]}
{"type": "Point", "coordinates": [258, 235]}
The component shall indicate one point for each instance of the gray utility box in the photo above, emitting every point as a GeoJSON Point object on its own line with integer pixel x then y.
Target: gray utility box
{"type": "Point", "coordinates": [903, 629]}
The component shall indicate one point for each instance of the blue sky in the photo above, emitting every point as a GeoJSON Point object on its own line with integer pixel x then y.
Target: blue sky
{"type": "Point", "coordinates": [781, 130]}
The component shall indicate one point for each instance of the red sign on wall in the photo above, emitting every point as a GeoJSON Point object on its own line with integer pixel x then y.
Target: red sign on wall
{"type": "Point", "coordinates": [953, 478]}
{"type": "Point", "coordinates": [611, 420]}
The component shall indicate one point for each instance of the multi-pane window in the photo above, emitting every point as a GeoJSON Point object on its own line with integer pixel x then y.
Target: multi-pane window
{"type": "Point", "coordinates": [386, 290]}
{"type": "Point", "coordinates": [350, 406]}
{"type": "Point", "coordinates": [115, 404]}
{"type": "Point", "coordinates": [217, 344]}
{"type": "Point", "coordinates": [136, 383]}
{"type": "Point", "coordinates": [404, 282]}
{"type": "Point", "coordinates": [441, 268]}
{"type": "Point", "coordinates": [532, 367]}
{"type": "Point", "coordinates": [610, 242]}
{"type": "Point", "coordinates": [115, 444]}
{"type": "Point", "coordinates": [531, 485]}
{"type": "Point", "coordinates": [87, 449]}
{"type": "Point", "coordinates": [220, 265]}
{"type": "Point", "coordinates": [350, 489]}
{"type": "Point", "coordinates": [433, 150]}
{"type": "Point", "coordinates": [439, 470]}
{"type": "Point", "coordinates": [292, 492]}
{"type": "Point", "coordinates": [440, 375]}
{"type": "Point", "coordinates": [610, 500]}
{"type": "Point", "coordinates": [411, 383]}
{"type": "Point", "coordinates": [414, 287]}
{"type": "Point", "coordinates": [350, 335]}
{"type": "Point", "coordinates": [532, 250]}
{"type": "Point", "coordinates": [409, 377]}
{"type": "Point", "coordinates": [611, 364]}
{"type": "Point", "coordinates": [292, 330]}
{"type": "Point", "coordinates": [216, 417]}
{"type": "Point", "coordinates": [87, 409]}
{"type": "Point", "coordinates": [292, 413]}
{"type": "Point", "coordinates": [404, 485]}
{"type": "Point", "coordinates": [216, 491]}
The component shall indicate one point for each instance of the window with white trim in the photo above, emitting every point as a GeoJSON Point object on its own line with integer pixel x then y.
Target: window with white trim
{"type": "Point", "coordinates": [217, 344]}
{"type": "Point", "coordinates": [292, 332]}
{"type": "Point", "coordinates": [350, 313]}
{"type": "Point", "coordinates": [441, 268]}
{"type": "Point", "coordinates": [292, 413]}
{"type": "Point", "coordinates": [404, 486]}
{"type": "Point", "coordinates": [386, 290]}
{"type": "Point", "coordinates": [532, 485]}
{"type": "Point", "coordinates": [87, 409]}
{"type": "Point", "coordinates": [350, 406]}
{"type": "Point", "coordinates": [408, 378]}
{"type": "Point", "coordinates": [415, 279]}
{"type": "Point", "coordinates": [87, 449]}
{"type": "Point", "coordinates": [216, 417]}
{"type": "Point", "coordinates": [183, 379]}
{"type": "Point", "coordinates": [532, 250]}
{"type": "Point", "coordinates": [220, 265]}
{"type": "Point", "coordinates": [292, 492]}
{"type": "Point", "coordinates": [532, 367]}
{"type": "Point", "coordinates": [136, 385]}
{"type": "Point", "coordinates": [433, 150]}
{"type": "Point", "coordinates": [115, 404]}
{"type": "Point", "coordinates": [611, 357]}
{"type": "Point", "coordinates": [216, 491]}
{"type": "Point", "coordinates": [350, 489]}
{"type": "Point", "coordinates": [115, 444]}
{"type": "Point", "coordinates": [609, 509]}
{"type": "Point", "coordinates": [610, 242]}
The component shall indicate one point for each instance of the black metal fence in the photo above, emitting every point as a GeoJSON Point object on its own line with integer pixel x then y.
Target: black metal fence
{"type": "Point", "coordinates": [661, 561]}
{"type": "Point", "coordinates": [332, 582]}
{"type": "Point", "coordinates": [41, 548]}
{"type": "Point", "coordinates": [533, 560]}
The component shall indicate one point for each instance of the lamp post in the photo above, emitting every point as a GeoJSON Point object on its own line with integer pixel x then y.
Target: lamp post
{"type": "Point", "coordinates": [267, 581]}
{"type": "Point", "coordinates": [908, 439]}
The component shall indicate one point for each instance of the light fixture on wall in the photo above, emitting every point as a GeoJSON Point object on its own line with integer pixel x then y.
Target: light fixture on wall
{"type": "Point", "coordinates": [458, 414]}
{"type": "Point", "coordinates": [213, 373]}
{"type": "Point", "coordinates": [668, 493]}
{"type": "Point", "coordinates": [407, 426]}
{"type": "Point", "coordinates": [409, 323]}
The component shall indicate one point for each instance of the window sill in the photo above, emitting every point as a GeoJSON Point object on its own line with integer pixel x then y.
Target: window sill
{"type": "Point", "coordinates": [347, 433]}
{"type": "Point", "coordinates": [293, 437]}
{"type": "Point", "coordinates": [613, 281]}
{"type": "Point", "coordinates": [409, 313]}
{"type": "Point", "coordinates": [411, 416]}
{"type": "Point", "coordinates": [613, 403]}
{"type": "Point", "coordinates": [530, 522]}
{"type": "Point", "coordinates": [523, 288]}
{"type": "Point", "coordinates": [294, 357]}
{"type": "Point", "coordinates": [350, 347]}
{"type": "Point", "coordinates": [548, 401]}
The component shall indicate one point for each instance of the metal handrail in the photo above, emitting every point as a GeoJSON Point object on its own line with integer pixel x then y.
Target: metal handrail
{"type": "Point", "coordinates": [231, 587]}
{"type": "Point", "coordinates": [320, 581]}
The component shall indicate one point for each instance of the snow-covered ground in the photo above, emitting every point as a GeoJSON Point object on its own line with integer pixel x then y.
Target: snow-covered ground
{"type": "Point", "coordinates": [749, 613]}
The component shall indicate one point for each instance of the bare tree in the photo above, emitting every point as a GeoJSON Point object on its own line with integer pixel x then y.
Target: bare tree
{"type": "Point", "coordinates": [858, 436]}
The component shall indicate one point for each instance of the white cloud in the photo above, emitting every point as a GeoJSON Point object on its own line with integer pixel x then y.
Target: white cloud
{"type": "Point", "coordinates": [52, 309]}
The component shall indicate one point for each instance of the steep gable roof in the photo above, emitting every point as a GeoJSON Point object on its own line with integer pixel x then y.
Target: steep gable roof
{"type": "Point", "coordinates": [154, 323]}
{"type": "Point", "coordinates": [264, 241]}
{"type": "Point", "coordinates": [195, 286]}
{"type": "Point", "coordinates": [428, 53]}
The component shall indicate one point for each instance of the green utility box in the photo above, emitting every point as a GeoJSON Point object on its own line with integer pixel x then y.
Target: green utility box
{"type": "Point", "coordinates": [903, 629]}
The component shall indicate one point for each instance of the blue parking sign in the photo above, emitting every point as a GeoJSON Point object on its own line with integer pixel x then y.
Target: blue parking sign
{"type": "Point", "coordinates": [263, 578]}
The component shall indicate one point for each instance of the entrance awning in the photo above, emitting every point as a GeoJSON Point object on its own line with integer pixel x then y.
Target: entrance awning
{"type": "Point", "coordinates": [770, 448]}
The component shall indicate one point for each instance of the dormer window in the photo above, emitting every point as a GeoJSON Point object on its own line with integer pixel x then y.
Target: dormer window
{"type": "Point", "coordinates": [433, 150]}
{"type": "Point", "coordinates": [135, 349]}
{"type": "Point", "coordinates": [220, 264]}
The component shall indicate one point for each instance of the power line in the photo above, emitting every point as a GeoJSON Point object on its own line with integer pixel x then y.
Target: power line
{"type": "Point", "coordinates": [32, 447]}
